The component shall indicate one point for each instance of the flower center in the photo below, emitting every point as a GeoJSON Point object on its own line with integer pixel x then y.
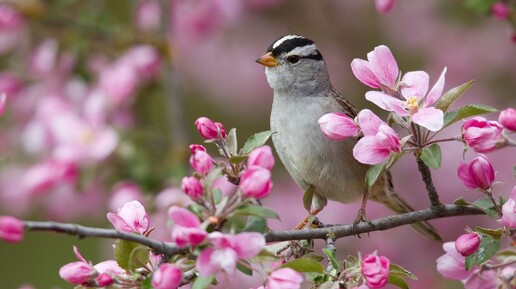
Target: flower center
{"type": "Point", "coordinates": [413, 104]}
{"type": "Point", "coordinates": [86, 136]}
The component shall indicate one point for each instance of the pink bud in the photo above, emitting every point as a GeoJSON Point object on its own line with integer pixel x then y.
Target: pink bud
{"type": "Point", "coordinates": [467, 244]}
{"type": "Point", "coordinates": [508, 118]}
{"type": "Point", "coordinates": [187, 229]}
{"type": "Point", "coordinates": [167, 276]}
{"type": "Point", "coordinates": [379, 70]}
{"type": "Point", "coordinates": [77, 272]}
{"type": "Point", "coordinates": [197, 147]}
{"type": "Point", "coordinates": [201, 161]}
{"type": "Point", "coordinates": [192, 187]}
{"type": "Point", "coordinates": [338, 126]}
{"type": "Point", "coordinates": [262, 157]}
{"type": "Point", "coordinates": [500, 10]}
{"type": "Point", "coordinates": [11, 229]}
{"type": "Point", "coordinates": [256, 182]}
{"type": "Point", "coordinates": [284, 278]}
{"type": "Point", "coordinates": [481, 134]}
{"type": "Point", "coordinates": [207, 128]}
{"type": "Point", "coordinates": [376, 270]}
{"type": "Point", "coordinates": [132, 217]}
{"type": "Point", "coordinates": [104, 280]}
{"type": "Point", "coordinates": [384, 6]}
{"type": "Point", "coordinates": [479, 174]}
{"type": "Point", "coordinates": [509, 211]}
{"type": "Point", "coordinates": [221, 129]}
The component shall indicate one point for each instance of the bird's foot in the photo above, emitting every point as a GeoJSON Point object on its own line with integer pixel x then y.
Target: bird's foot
{"type": "Point", "coordinates": [361, 217]}
{"type": "Point", "coordinates": [310, 220]}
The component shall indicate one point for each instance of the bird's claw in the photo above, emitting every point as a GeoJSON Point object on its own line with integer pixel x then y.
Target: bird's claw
{"type": "Point", "coordinates": [361, 217]}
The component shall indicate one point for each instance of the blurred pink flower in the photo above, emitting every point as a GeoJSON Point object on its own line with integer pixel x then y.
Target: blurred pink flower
{"type": "Point", "coordinates": [118, 81]}
{"type": "Point", "coordinates": [256, 182]}
{"type": "Point", "coordinates": [192, 187]}
{"type": "Point", "coordinates": [500, 10]}
{"type": "Point", "coordinates": [77, 272]}
{"type": "Point", "coordinates": [481, 279]}
{"type": "Point", "coordinates": [104, 280]}
{"type": "Point", "coordinates": [143, 59]}
{"type": "Point", "coordinates": [3, 100]}
{"type": "Point", "coordinates": [132, 217]}
{"type": "Point", "coordinates": [414, 88]}
{"type": "Point", "coordinates": [171, 196]}
{"type": "Point", "coordinates": [452, 264]}
{"type": "Point", "coordinates": [124, 192]}
{"type": "Point", "coordinates": [379, 71]}
{"type": "Point", "coordinates": [375, 270]}
{"type": "Point", "coordinates": [209, 129]}
{"type": "Point", "coordinates": [187, 229]}
{"type": "Point", "coordinates": [508, 118]}
{"type": "Point", "coordinates": [201, 161]}
{"type": "Point", "coordinates": [148, 15]}
{"type": "Point", "coordinates": [44, 58]}
{"type": "Point", "coordinates": [509, 211]}
{"type": "Point", "coordinates": [167, 276]}
{"type": "Point", "coordinates": [481, 134]}
{"type": "Point", "coordinates": [12, 25]}
{"type": "Point", "coordinates": [284, 278]}
{"type": "Point", "coordinates": [45, 175]}
{"type": "Point", "coordinates": [11, 229]}
{"type": "Point", "coordinates": [479, 174]}
{"type": "Point", "coordinates": [262, 157]}
{"type": "Point", "coordinates": [384, 6]}
{"type": "Point", "coordinates": [467, 244]}
{"type": "Point", "coordinates": [196, 147]}
{"type": "Point", "coordinates": [338, 126]}
{"type": "Point", "coordinates": [378, 142]}
{"type": "Point", "coordinates": [10, 83]}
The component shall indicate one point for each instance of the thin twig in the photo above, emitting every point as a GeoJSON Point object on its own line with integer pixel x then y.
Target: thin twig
{"type": "Point", "coordinates": [427, 179]}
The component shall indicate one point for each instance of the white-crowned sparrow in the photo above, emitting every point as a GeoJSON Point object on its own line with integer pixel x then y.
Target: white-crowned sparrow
{"type": "Point", "coordinates": [297, 73]}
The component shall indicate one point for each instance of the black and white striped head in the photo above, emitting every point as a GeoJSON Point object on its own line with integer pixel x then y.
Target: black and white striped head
{"type": "Point", "coordinates": [293, 62]}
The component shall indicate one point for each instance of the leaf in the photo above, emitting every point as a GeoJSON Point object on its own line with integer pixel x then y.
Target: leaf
{"type": "Point", "coordinates": [256, 140]}
{"type": "Point", "coordinates": [461, 202]}
{"type": "Point", "coordinates": [264, 256]}
{"type": "Point", "coordinates": [202, 282]}
{"type": "Point", "coordinates": [373, 173]}
{"type": "Point", "coordinates": [496, 234]}
{"type": "Point", "coordinates": [211, 177]}
{"type": "Point", "coordinates": [452, 95]}
{"type": "Point", "coordinates": [304, 264]}
{"type": "Point", "coordinates": [255, 224]}
{"type": "Point", "coordinates": [315, 257]}
{"type": "Point", "coordinates": [146, 283]}
{"type": "Point", "coordinates": [482, 7]}
{"type": "Point", "coordinates": [397, 281]}
{"type": "Point", "coordinates": [486, 205]}
{"type": "Point", "coordinates": [432, 156]}
{"type": "Point", "coordinates": [307, 198]}
{"type": "Point", "coordinates": [402, 272]}
{"type": "Point", "coordinates": [466, 111]}
{"type": "Point", "coordinates": [217, 195]}
{"type": "Point", "coordinates": [123, 251]}
{"type": "Point", "coordinates": [333, 259]}
{"type": "Point", "coordinates": [252, 210]}
{"type": "Point", "coordinates": [139, 257]}
{"type": "Point", "coordinates": [243, 268]}
{"type": "Point", "coordinates": [232, 142]}
{"type": "Point", "coordinates": [487, 248]}
{"type": "Point", "coordinates": [237, 159]}
{"type": "Point", "coordinates": [329, 285]}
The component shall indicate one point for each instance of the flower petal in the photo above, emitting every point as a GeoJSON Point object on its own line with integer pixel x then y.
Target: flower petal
{"type": "Point", "coordinates": [338, 126]}
{"type": "Point", "coordinates": [436, 91]}
{"type": "Point", "coordinates": [247, 245]}
{"type": "Point", "coordinates": [369, 122]}
{"type": "Point", "coordinates": [119, 223]}
{"type": "Point", "coordinates": [361, 70]}
{"type": "Point", "coordinates": [383, 65]}
{"type": "Point", "coordinates": [387, 102]}
{"type": "Point", "coordinates": [414, 83]}
{"type": "Point", "coordinates": [183, 217]}
{"type": "Point", "coordinates": [135, 216]}
{"type": "Point", "coordinates": [369, 150]}
{"type": "Point", "coordinates": [429, 117]}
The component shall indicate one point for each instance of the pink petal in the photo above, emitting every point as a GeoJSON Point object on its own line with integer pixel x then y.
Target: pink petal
{"type": "Point", "coordinates": [436, 91]}
{"type": "Point", "coordinates": [464, 176]}
{"type": "Point", "coordinates": [363, 73]}
{"type": "Point", "coordinates": [104, 143]}
{"type": "Point", "coordinates": [78, 254]}
{"type": "Point", "coordinates": [388, 138]}
{"type": "Point", "coordinates": [248, 245]}
{"type": "Point", "coordinates": [384, 65]}
{"type": "Point", "coordinates": [429, 117]}
{"type": "Point", "coordinates": [204, 263]}
{"type": "Point", "coordinates": [183, 217]}
{"type": "Point", "coordinates": [119, 223]}
{"type": "Point", "coordinates": [3, 99]}
{"type": "Point", "coordinates": [135, 216]}
{"type": "Point", "coordinates": [369, 150]}
{"type": "Point", "coordinates": [414, 83]}
{"type": "Point", "coordinates": [387, 102]}
{"type": "Point", "coordinates": [338, 126]}
{"type": "Point", "coordinates": [369, 122]}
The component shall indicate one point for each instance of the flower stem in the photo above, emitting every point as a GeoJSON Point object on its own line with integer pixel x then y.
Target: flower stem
{"type": "Point", "coordinates": [429, 184]}
{"type": "Point", "coordinates": [497, 207]}
{"type": "Point", "coordinates": [443, 140]}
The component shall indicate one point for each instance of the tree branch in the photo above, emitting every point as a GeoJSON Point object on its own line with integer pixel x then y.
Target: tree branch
{"type": "Point", "coordinates": [427, 178]}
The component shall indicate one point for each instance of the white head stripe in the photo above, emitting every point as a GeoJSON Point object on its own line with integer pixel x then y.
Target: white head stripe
{"type": "Point", "coordinates": [287, 37]}
{"type": "Point", "coordinates": [304, 50]}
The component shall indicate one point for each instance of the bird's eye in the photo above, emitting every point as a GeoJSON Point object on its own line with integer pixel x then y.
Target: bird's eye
{"type": "Point", "coordinates": [293, 59]}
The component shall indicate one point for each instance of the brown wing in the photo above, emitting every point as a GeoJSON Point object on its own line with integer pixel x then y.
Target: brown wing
{"type": "Point", "coordinates": [345, 106]}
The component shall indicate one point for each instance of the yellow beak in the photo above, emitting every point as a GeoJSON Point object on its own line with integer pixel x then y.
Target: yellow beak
{"type": "Point", "coordinates": [267, 60]}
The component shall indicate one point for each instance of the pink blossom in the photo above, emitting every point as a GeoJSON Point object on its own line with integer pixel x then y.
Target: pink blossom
{"type": "Point", "coordinates": [110, 267]}
{"type": "Point", "coordinates": [481, 134]}
{"type": "Point", "coordinates": [338, 126]}
{"type": "Point", "coordinates": [375, 270]}
{"type": "Point", "coordinates": [284, 278]}
{"type": "Point", "coordinates": [479, 174]}
{"type": "Point", "coordinates": [10, 18]}
{"type": "Point", "coordinates": [124, 192]}
{"type": "Point", "coordinates": [187, 229]}
{"type": "Point", "coordinates": [44, 58]}
{"type": "Point", "coordinates": [104, 280]}
{"type": "Point", "coordinates": [209, 129]}
{"type": "Point", "coordinates": [417, 103]}
{"type": "Point", "coordinates": [3, 99]}
{"type": "Point", "coordinates": [467, 244]}
{"type": "Point", "coordinates": [118, 81]}
{"type": "Point", "coordinates": [77, 272]}
{"type": "Point", "coordinates": [192, 187]}
{"type": "Point", "coordinates": [196, 147]}
{"type": "Point", "coordinates": [148, 15]}
{"type": "Point", "coordinates": [378, 142]}
{"type": "Point", "coordinates": [143, 59]}
{"type": "Point", "coordinates": [500, 10]}
{"type": "Point", "coordinates": [130, 218]}
{"type": "Point", "coordinates": [201, 161]}
{"type": "Point", "coordinates": [379, 71]}
{"type": "Point", "coordinates": [167, 276]}
{"type": "Point", "coordinates": [508, 118]}
{"type": "Point", "coordinates": [481, 279]}
{"type": "Point", "coordinates": [509, 211]}
{"type": "Point", "coordinates": [384, 6]}
{"type": "Point", "coordinates": [256, 182]}
{"type": "Point", "coordinates": [262, 157]}
{"type": "Point", "coordinates": [47, 174]}
{"type": "Point", "coordinates": [11, 229]}
{"type": "Point", "coordinates": [452, 264]}
{"type": "Point", "coordinates": [10, 83]}
{"type": "Point", "coordinates": [171, 196]}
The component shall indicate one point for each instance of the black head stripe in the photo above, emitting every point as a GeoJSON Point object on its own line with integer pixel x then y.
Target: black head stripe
{"type": "Point", "coordinates": [289, 44]}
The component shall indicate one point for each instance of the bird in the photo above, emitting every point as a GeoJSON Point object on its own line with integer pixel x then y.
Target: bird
{"type": "Point", "coordinates": [302, 93]}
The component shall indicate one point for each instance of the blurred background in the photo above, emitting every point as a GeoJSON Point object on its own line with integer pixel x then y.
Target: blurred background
{"type": "Point", "coordinates": [102, 95]}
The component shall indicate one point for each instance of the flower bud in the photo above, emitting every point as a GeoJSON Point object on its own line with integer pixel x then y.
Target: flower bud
{"type": "Point", "coordinates": [467, 244]}
{"type": "Point", "coordinates": [78, 272]}
{"type": "Point", "coordinates": [375, 270]}
{"type": "Point", "coordinates": [192, 187]}
{"type": "Point", "coordinates": [167, 276]}
{"type": "Point", "coordinates": [221, 129]}
{"type": "Point", "coordinates": [384, 6]}
{"type": "Point", "coordinates": [500, 10]}
{"type": "Point", "coordinates": [201, 161]}
{"type": "Point", "coordinates": [284, 278]}
{"type": "Point", "coordinates": [508, 118]}
{"type": "Point", "coordinates": [479, 174]}
{"type": "Point", "coordinates": [209, 129]}
{"type": "Point", "coordinates": [262, 157]}
{"type": "Point", "coordinates": [256, 182]}
{"type": "Point", "coordinates": [338, 126]}
{"type": "Point", "coordinates": [197, 147]}
{"type": "Point", "coordinates": [509, 211]}
{"type": "Point", "coordinates": [11, 229]}
{"type": "Point", "coordinates": [104, 279]}
{"type": "Point", "coordinates": [481, 134]}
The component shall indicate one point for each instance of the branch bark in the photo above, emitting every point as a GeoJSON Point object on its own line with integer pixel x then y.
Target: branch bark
{"type": "Point", "coordinates": [426, 175]}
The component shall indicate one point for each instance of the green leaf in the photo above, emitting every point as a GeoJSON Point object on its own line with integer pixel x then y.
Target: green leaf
{"type": "Point", "coordinates": [400, 271]}
{"type": "Point", "coordinates": [256, 140]}
{"type": "Point", "coordinates": [232, 142]}
{"type": "Point", "coordinates": [146, 283]}
{"type": "Point", "coordinates": [252, 210]}
{"type": "Point", "coordinates": [486, 205]}
{"type": "Point", "coordinates": [329, 285]}
{"type": "Point", "coordinates": [452, 95]}
{"type": "Point", "coordinates": [123, 251]}
{"type": "Point", "coordinates": [482, 7]}
{"type": "Point", "coordinates": [211, 177]}
{"type": "Point", "coordinates": [255, 224]}
{"type": "Point", "coordinates": [487, 248]}
{"type": "Point", "coordinates": [315, 257]}
{"type": "Point", "coordinates": [139, 257]}
{"type": "Point", "coordinates": [237, 159]}
{"type": "Point", "coordinates": [333, 259]}
{"type": "Point", "coordinates": [397, 281]}
{"type": "Point", "coordinates": [243, 268]}
{"type": "Point", "coordinates": [316, 278]}
{"type": "Point", "coordinates": [203, 282]}
{"type": "Point", "coordinates": [496, 234]}
{"type": "Point", "coordinates": [373, 173]}
{"type": "Point", "coordinates": [466, 111]}
{"type": "Point", "coordinates": [304, 265]}
{"type": "Point", "coordinates": [514, 171]}
{"type": "Point", "coordinates": [217, 195]}
{"type": "Point", "coordinates": [461, 202]}
{"type": "Point", "coordinates": [432, 156]}
{"type": "Point", "coordinates": [307, 198]}
{"type": "Point", "coordinates": [265, 256]}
